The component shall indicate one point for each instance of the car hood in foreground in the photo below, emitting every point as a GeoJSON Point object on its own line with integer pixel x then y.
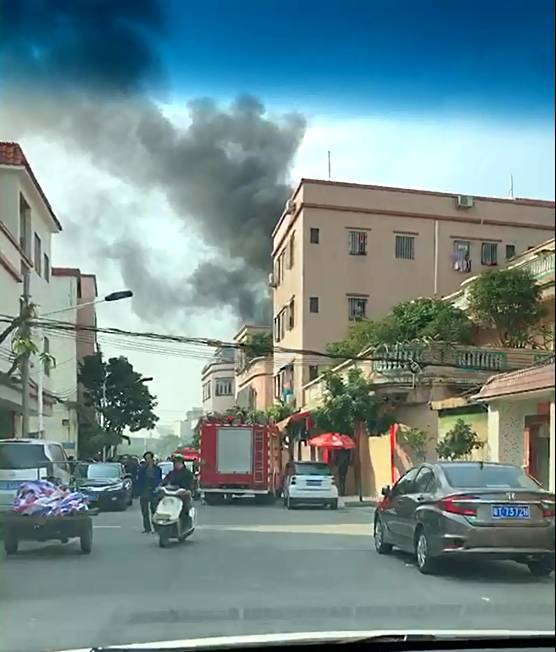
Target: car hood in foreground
{"type": "Point", "coordinates": [223, 642]}
{"type": "Point", "coordinates": [98, 482]}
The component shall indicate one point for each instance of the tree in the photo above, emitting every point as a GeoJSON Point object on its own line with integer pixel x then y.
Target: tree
{"type": "Point", "coordinates": [510, 302]}
{"type": "Point", "coordinates": [348, 403]}
{"type": "Point", "coordinates": [422, 320]}
{"type": "Point", "coordinates": [459, 442]}
{"type": "Point", "coordinates": [416, 440]}
{"type": "Point", "coordinates": [114, 389]}
{"type": "Point", "coordinates": [258, 345]}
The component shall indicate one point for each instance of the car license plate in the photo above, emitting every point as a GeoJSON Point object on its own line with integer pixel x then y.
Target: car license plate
{"type": "Point", "coordinates": [510, 512]}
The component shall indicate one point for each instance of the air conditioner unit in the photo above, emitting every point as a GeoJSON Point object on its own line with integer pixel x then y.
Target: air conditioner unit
{"type": "Point", "coordinates": [271, 281]}
{"type": "Point", "coordinates": [465, 201]}
{"type": "Point", "coordinates": [290, 207]}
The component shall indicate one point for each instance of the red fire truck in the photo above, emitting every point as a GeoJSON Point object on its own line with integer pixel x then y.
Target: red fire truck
{"type": "Point", "coordinates": [239, 459]}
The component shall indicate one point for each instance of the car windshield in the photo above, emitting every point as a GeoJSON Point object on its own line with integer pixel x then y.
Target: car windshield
{"type": "Point", "coordinates": [99, 471]}
{"type": "Point", "coordinates": [488, 476]}
{"type": "Point", "coordinates": [312, 469]}
{"type": "Point", "coordinates": [308, 247]}
{"type": "Point", "coordinates": [22, 456]}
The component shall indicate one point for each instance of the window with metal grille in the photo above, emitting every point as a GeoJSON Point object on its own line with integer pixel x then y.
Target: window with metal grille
{"type": "Point", "coordinates": [405, 247]}
{"type": "Point", "coordinates": [313, 372]}
{"type": "Point", "coordinates": [313, 304]}
{"type": "Point", "coordinates": [46, 268]}
{"type": "Point", "coordinates": [224, 386]}
{"type": "Point", "coordinates": [291, 314]}
{"type": "Point", "coordinates": [489, 254]}
{"type": "Point", "coordinates": [38, 255]}
{"type": "Point", "coordinates": [206, 391]}
{"type": "Point", "coordinates": [461, 256]}
{"type": "Point", "coordinates": [357, 242]}
{"type": "Point", "coordinates": [291, 252]}
{"type": "Point", "coordinates": [314, 236]}
{"type": "Point", "coordinates": [510, 251]}
{"type": "Point", "coordinates": [46, 361]}
{"type": "Point", "coordinates": [357, 308]}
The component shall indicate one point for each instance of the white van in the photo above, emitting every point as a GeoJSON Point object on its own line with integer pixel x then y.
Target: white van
{"type": "Point", "coordinates": [29, 459]}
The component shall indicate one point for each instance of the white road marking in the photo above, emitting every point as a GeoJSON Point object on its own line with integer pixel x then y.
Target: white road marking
{"type": "Point", "coordinates": [485, 599]}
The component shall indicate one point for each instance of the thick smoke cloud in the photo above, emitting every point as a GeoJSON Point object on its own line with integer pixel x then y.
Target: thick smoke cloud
{"type": "Point", "coordinates": [225, 174]}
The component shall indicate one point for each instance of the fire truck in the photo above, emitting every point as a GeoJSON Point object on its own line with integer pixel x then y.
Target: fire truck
{"type": "Point", "coordinates": [239, 459]}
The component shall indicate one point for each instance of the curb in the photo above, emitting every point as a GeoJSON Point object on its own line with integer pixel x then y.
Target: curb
{"type": "Point", "coordinates": [361, 503]}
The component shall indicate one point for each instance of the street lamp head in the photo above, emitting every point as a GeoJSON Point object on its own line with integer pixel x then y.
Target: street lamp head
{"type": "Point", "coordinates": [116, 296]}
{"type": "Point", "coordinates": [145, 380]}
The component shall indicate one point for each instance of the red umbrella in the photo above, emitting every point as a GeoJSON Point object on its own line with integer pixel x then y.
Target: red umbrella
{"type": "Point", "coordinates": [332, 440]}
{"type": "Point", "coordinates": [190, 454]}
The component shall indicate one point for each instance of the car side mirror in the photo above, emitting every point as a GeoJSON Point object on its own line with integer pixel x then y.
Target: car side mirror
{"type": "Point", "coordinates": [386, 491]}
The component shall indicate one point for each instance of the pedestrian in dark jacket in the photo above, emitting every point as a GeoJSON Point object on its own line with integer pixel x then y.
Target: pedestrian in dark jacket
{"type": "Point", "coordinates": [149, 476]}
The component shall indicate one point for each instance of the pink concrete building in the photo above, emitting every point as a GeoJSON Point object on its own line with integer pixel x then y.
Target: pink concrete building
{"type": "Point", "coordinates": [343, 252]}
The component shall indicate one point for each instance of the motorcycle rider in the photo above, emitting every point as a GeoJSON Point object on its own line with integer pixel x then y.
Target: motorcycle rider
{"type": "Point", "coordinates": [181, 476]}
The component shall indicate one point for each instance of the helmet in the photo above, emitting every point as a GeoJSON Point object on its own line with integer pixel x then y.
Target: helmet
{"type": "Point", "coordinates": [178, 457]}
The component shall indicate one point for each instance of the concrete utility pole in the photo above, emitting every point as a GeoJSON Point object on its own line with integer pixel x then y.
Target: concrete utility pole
{"type": "Point", "coordinates": [26, 333]}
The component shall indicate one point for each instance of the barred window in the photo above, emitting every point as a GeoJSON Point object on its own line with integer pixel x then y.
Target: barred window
{"type": "Point", "coordinates": [489, 254]}
{"type": "Point", "coordinates": [357, 243]}
{"type": "Point", "coordinates": [314, 235]}
{"type": "Point", "coordinates": [510, 251]}
{"type": "Point", "coordinates": [357, 308]}
{"type": "Point", "coordinates": [405, 247]}
{"type": "Point", "coordinates": [313, 372]}
{"type": "Point", "coordinates": [224, 386]}
{"type": "Point", "coordinates": [313, 304]}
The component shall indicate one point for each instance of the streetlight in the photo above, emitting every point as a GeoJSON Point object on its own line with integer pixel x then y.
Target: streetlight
{"type": "Point", "coordinates": [113, 296]}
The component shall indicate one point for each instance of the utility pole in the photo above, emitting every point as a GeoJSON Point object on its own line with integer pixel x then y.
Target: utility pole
{"type": "Point", "coordinates": [26, 334]}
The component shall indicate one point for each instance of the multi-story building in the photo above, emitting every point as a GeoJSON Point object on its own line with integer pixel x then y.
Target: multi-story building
{"type": "Point", "coordinates": [253, 374]}
{"type": "Point", "coordinates": [343, 252]}
{"type": "Point", "coordinates": [27, 224]}
{"type": "Point", "coordinates": [217, 381]}
{"type": "Point", "coordinates": [71, 294]}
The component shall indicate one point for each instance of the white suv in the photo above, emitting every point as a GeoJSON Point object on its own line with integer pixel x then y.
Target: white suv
{"type": "Point", "coordinates": [310, 483]}
{"type": "Point", "coordinates": [29, 459]}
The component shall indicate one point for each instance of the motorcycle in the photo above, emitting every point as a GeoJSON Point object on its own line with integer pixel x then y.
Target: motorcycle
{"type": "Point", "coordinates": [172, 518]}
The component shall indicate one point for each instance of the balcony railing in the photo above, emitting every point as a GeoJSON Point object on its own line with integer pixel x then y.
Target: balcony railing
{"type": "Point", "coordinates": [410, 359]}
{"type": "Point", "coordinates": [541, 266]}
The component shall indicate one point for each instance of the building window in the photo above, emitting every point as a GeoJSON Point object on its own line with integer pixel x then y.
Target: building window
{"type": "Point", "coordinates": [313, 372]}
{"type": "Point", "coordinates": [24, 225]}
{"type": "Point", "coordinates": [38, 255]}
{"type": "Point", "coordinates": [314, 236]}
{"type": "Point", "coordinates": [291, 251]}
{"type": "Point", "coordinates": [461, 256]}
{"type": "Point", "coordinates": [313, 304]}
{"type": "Point", "coordinates": [357, 308]}
{"type": "Point", "coordinates": [206, 391]}
{"type": "Point", "coordinates": [46, 268]}
{"type": "Point", "coordinates": [291, 314]}
{"type": "Point", "coordinates": [224, 387]}
{"type": "Point", "coordinates": [510, 251]}
{"type": "Point", "coordinates": [489, 254]}
{"type": "Point", "coordinates": [405, 247]}
{"type": "Point", "coordinates": [46, 360]}
{"type": "Point", "coordinates": [357, 242]}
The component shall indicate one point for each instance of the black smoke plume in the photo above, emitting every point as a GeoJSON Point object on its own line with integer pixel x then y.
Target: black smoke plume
{"type": "Point", "coordinates": [81, 75]}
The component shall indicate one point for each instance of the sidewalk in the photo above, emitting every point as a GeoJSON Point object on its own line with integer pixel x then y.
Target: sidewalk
{"type": "Point", "coordinates": [354, 501]}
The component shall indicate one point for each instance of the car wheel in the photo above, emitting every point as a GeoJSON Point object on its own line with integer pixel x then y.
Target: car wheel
{"type": "Point", "coordinates": [425, 563]}
{"type": "Point", "coordinates": [334, 504]}
{"type": "Point", "coordinates": [290, 504]}
{"type": "Point", "coordinates": [86, 540]}
{"type": "Point", "coordinates": [541, 567]}
{"type": "Point", "coordinates": [163, 539]}
{"type": "Point", "coordinates": [10, 544]}
{"type": "Point", "coordinates": [381, 546]}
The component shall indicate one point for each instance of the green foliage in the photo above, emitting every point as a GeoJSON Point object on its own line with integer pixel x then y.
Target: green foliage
{"type": "Point", "coordinates": [348, 403]}
{"type": "Point", "coordinates": [114, 389]}
{"type": "Point", "coordinates": [459, 442]}
{"type": "Point", "coordinates": [419, 320]}
{"type": "Point", "coordinates": [508, 300]}
{"type": "Point", "coordinates": [258, 345]}
{"type": "Point", "coordinates": [414, 439]}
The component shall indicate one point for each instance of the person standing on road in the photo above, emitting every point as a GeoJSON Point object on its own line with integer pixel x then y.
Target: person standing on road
{"type": "Point", "coordinates": [149, 477]}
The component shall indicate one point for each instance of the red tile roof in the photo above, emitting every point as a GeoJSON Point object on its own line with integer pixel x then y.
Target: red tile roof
{"type": "Point", "coordinates": [533, 379]}
{"type": "Point", "coordinates": [12, 154]}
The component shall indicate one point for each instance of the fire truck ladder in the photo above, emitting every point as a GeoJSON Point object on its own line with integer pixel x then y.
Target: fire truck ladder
{"type": "Point", "coordinates": [259, 457]}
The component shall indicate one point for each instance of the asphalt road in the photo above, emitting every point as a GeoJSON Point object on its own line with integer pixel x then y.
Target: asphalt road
{"type": "Point", "coordinates": [248, 569]}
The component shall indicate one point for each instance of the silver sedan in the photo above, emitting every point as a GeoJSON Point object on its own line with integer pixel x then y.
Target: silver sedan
{"type": "Point", "coordinates": [468, 509]}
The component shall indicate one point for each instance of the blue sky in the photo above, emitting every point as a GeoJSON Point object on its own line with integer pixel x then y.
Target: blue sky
{"type": "Point", "coordinates": [374, 57]}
